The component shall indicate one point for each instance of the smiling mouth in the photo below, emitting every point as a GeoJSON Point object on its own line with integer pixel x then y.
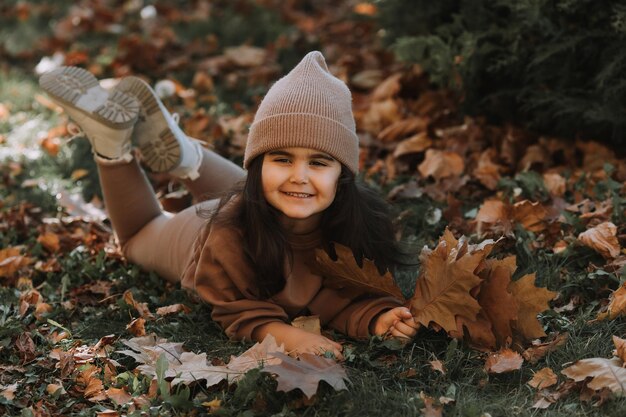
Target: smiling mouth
{"type": "Point", "coordinates": [298, 195]}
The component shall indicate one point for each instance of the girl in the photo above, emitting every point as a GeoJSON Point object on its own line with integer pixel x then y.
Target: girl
{"type": "Point", "coordinates": [250, 260]}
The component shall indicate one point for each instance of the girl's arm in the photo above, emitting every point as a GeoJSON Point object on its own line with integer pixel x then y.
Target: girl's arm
{"type": "Point", "coordinates": [398, 322]}
{"type": "Point", "coordinates": [296, 340]}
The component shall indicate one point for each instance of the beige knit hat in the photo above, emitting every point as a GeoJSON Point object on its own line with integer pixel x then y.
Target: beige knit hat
{"type": "Point", "coordinates": [309, 108]}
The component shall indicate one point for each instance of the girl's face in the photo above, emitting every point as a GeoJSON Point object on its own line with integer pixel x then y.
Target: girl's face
{"type": "Point", "coordinates": [300, 182]}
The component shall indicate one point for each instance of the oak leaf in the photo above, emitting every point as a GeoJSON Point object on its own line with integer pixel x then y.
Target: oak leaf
{"type": "Point", "coordinates": [531, 215]}
{"type": "Point", "coordinates": [415, 144]}
{"type": "Point", "coordinates": [443, 288]}
{"type": "Point", "coordinates": [605, 373]}
{"type": "Point", "coordinates": [142, 308]}
{"type": "Point", "coordinates": [306, 373]}
{"type": "Point", "coordinates": [11, 261]}
{"type": "Point", "coordinates": [50, 241]}
{"type": "Point", "coordinates": [118, 395]}
{"type": "Point", "coordinates": [505, 360]}
{"type": "Point", "coordinates": [532, 301]}
{"type": "Point", "coordinates": [617, 305]}
{"type": "Point", "coordinates": [487, 172]}
{"type": "Point", "coordinates": [544, 378]}
{"type": "Point", "coordinates": [345, 273]}
{"type": "Point", "coordinates": [602, 239]}
{"type": "Point", "coordinates": [538, 349]}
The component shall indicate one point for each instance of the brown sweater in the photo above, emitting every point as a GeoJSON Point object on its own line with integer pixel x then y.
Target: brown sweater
{"type": "Point", "coordinates": [222, 275]}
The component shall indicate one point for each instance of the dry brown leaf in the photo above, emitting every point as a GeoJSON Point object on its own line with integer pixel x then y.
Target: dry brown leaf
{"type": "Point", "coordinates": [379, 115]}
{"type": "Point", "coordinates": [602, 239]}
{"type": "Point", "coordinates": [306, 373]}
{"type": "Point", "coordinates": [8, 391]}
{"type": "Point", "coordinates": [437, 365]}
{"type": "Point", "coordinates": [246, 56]}
{"type": "Point", "coordinates": [137, 327]}
{"type": "Point", "coordinates": [494, 213]}
{"type": "Point", "coordinates": [605, 373]}
{"type": "Point", "coordinates": [142, 308]}
{"type": "Point", "coordinates": [107, 413]}
{"type": "Point", "coordinates": [443, 288]}
{"type": "Point", "coordinates": [499, 305]}
{"type": "Point", "coordinates": [345, 273]}
{"type": "Point", "coordinates": [403, 128]}
{"type": "Point", "coordinates": [388, 88]}
{"type": "Point", "coordinates": [505, 360]}
{"type": "Point", "coordinates": [620, 348]}
{"type": "Point", "coordinates": [118, 395]}
{"type": "Point", "coordinates": [488, 172]}
{"type": "Point", "coordinates": [309, 324]}
{"type": "Point", "coordinates": [259, 354]}
{"type": "Point", "coordinates": [544, 378]}
{"type": "Point", "coordinates": [414, 144]}
{"type": "Point", "coordinates": [11, 261]}
{"type": "Point", "coordinates": [531, 215]}
{"type": "Point", "coordinates": [555, 183]}
{"type": "Point", "coordinates": [93, 389]}
{"type": "Point", "coordinates": [532, 301]}
{"type": "Point", "coordinates": [50, 241]}
{"type": "Point", "coordinates": [478, 333]}
{"type": "Point", "coordinates": [172, 309]}
{"type": "Point", "coordinates": [430, 408]}
{"type": "Point", "coordinates": [441, 164]}
{"type": "Point", "coordinates": [538, 350]}
{"type": "Point", "coordinates": [617, 305]}
{"type": "Point", "coordinates": [52, 389]}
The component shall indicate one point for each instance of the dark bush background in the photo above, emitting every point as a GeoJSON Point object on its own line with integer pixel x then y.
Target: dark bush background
{"type": "Point", "coordinates": [556, 66]}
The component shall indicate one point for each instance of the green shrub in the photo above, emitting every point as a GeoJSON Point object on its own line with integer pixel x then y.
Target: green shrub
{"type": "Point", "coordinates": [556, 66]}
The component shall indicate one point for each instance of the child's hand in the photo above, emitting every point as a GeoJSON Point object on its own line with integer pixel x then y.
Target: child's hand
{"type": "Point", "coordinates": [397, 322]}
{"type": "Point", "coordinates": [314, 344]}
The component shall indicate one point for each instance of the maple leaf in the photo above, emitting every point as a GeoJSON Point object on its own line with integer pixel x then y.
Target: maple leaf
{"type": "Point", "coordinates": [505, 360]}
{"type": "Point", "coordinates": [532, 301]}
{"type": "Point", "coordinates": [617, 305]}
{"type": "Point", "coordinates": [306, 373]}
{"type": "Point", "coordinates": [544, 378]}
{"type": "Point", "coordinates": [538, 350]}
{"type": "Point", "coordinates": [346, 273]}
{"type": "Point", "coordinates": [602, 239]}
{"type": "Point", "coordinates": [605, 373]}
{"type": "Point", "coordinates": [443, 288]}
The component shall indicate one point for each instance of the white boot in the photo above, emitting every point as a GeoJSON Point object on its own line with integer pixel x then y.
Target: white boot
{"type": "Point", "coordinates": [164, 146]}
{"type": "Point", "coordinates": [106, 118]}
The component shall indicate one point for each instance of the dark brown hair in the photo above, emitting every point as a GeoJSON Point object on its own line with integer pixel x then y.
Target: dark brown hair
{"type": "Point", "coordinates": [265, 244]}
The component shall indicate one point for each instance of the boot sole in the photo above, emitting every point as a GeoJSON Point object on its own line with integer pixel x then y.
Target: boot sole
{"type": "Point", "coordinates": [69, 85]}
{"type": "Point", "coordinates": [162, 153]}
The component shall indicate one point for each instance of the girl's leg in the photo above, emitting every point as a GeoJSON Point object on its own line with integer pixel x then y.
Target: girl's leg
{"type": "Point", "coordinates": [154, 240]}
{"type": "Point", "coordinates": [216, 175]}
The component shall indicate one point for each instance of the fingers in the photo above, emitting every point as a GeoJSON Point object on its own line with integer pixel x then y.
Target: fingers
{"type": "Point", "coordinates": [404, 329]}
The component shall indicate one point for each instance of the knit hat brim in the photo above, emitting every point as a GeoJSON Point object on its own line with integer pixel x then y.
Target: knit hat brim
{"type": "Point", "coordinates": [304, 130]}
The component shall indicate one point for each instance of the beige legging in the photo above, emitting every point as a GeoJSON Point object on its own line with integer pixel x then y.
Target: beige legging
{"type": "Point", "coordinates": [155, 240]}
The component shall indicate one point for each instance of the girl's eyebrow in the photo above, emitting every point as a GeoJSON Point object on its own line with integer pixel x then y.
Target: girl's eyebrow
{"type": "Point", "coordinates": [313, 156]}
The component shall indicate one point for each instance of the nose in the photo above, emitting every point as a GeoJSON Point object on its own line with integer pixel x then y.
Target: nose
{"type": "Point", "coordinates": [299, 173]}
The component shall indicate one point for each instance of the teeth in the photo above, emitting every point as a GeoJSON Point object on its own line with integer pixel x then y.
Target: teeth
{"type": "Point", "coordinates": [300, 195]}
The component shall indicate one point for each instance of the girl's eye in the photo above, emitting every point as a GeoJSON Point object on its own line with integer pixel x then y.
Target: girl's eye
{"type": "Point", "coordinates": [318, 163]}
{"type": "Point", "coordinates": [281, 160]}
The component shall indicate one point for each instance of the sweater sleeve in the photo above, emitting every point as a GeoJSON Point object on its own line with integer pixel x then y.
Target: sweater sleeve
{"type": "Point", "coordinates": [223, 277]}
{"type": "Point", "coordinates": [350, 316]}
